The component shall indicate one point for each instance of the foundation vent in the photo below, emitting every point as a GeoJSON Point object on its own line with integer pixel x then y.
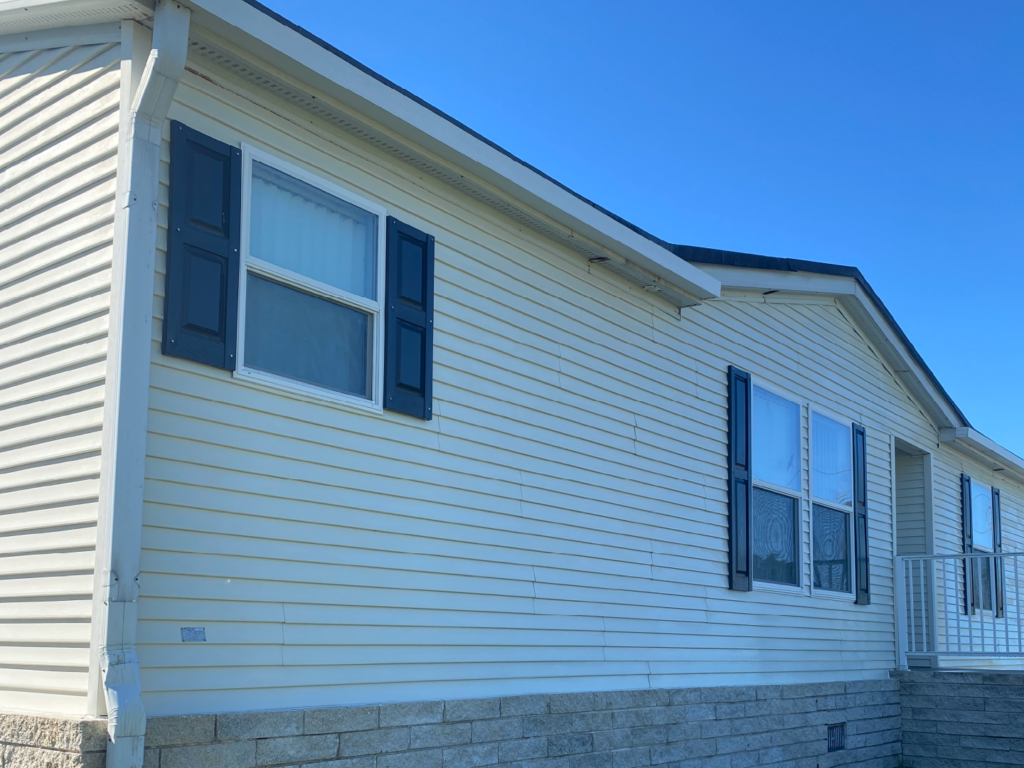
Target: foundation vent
{"type": "Point", "coordinates": [837, 737]}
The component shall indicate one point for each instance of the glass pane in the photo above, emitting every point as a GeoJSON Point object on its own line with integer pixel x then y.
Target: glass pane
{"type": "Point", "coordinates": [775, 538]}
{"type": "Point", "coordinates": [981, 515]}
{"type": "Point", "coordinates": [831, 531]}
{"type": "Point", "coordinates": [984, 570]}
{"type": "Point", "coordinates": [302, 228]}
{"type": "Point", "coordinates": [307, 338]}
{"type": "Point", "coordinates": [776, 432]}
{"type": "Point", "coordinates": [832, 460]}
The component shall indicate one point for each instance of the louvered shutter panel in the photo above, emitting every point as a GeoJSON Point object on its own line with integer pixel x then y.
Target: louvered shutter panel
{"type": "Point", "coordinates": [741, 574]}
{"type": "Point", "coordinates": [409, 337]}
{"type": "Point", "coordinates": [201, 286]}
{"type": "Point", "coordinates": [862, 560]}
{"type": "Point", "coordinates": [968, 528]}
{"type": "Point", "coordinates": [997, 541]}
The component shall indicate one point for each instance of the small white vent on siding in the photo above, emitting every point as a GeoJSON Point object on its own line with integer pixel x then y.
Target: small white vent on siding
{"type": "Point", "coordinates": [212, 53]}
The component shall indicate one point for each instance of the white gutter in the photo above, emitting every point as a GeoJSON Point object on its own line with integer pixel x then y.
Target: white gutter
{"type": "Point", "coordinates": [970, 441]}
{"type": "Point", "coordinates": [119, 544]}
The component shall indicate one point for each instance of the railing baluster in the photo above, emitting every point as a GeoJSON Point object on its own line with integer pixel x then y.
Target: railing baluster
{"type": "Point", "coordinates": [956, 600]}
{"type": "Point", "coordinates": [969, 600]}
{"type": "Point", "coordinates": [945, 597]}
{"type": "Point", "coordinates": [1001, 571]}
{"type": "Point", "coordinates": [908, 564]}
{"type": "Point", "coordinates": [1016, 597]}
{"type": "Point", "coordinates": [989, 561]}
{"type": "Point", "coordinates": [924, 606]}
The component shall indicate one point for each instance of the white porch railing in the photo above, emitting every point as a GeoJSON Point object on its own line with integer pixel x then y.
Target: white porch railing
{"type": "Point", "coordinates": [959, 605]}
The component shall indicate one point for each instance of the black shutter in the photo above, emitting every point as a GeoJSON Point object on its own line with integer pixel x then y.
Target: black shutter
{"type": "Point", "coordinates": [968, 527]}
{"type": "Point", "coordinates": [201, 287]}
{"type": "Point", "coordinates": [409, 337]}
{"type": "Point", "coordinates": [997, 542]}
{"type": "Point", "coordinates": [862, 560]}
{"type": "Point", "coordinates": [741, 556]}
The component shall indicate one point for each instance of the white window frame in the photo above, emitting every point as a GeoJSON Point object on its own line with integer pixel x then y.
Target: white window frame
{"type": "Point", "coordinates": [850, 596]}
{"type": "Point", "coordinates": [800, 496]}
{"type": "Point", "coordinates": [375, 308]}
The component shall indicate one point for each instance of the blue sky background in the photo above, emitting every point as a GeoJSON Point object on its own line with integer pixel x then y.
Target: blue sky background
{"type": "Point", "coordinates": [887, 136]}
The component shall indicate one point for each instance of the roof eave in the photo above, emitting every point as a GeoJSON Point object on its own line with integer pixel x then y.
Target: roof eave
{"type": "Point", "coordinates": [312, 61]}
{"type": "Point", "coordinates": [975, 445]}
{"type": "Point", "coordinates": [848, 287]}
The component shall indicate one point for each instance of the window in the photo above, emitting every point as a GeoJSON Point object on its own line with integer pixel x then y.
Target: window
{"type": "Point", "coordinates": [983, 538]}
{"type": "Point", "coordinates": [832, 503]}
{"type": "Point", "coordinates": [777, 489]}
{"type": "Point", "coordinates": [310, 308]}
{"type": "Point", "coordinates": [767, 495]}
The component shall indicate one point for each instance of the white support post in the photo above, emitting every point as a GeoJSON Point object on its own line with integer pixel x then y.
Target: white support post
{"type": "Point", "coordinates": [115, 667]}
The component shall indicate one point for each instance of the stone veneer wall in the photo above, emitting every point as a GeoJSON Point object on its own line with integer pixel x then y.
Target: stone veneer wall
{"type": "Point", "coordinates": [962, 719]}
{"type": "Point", "coordinates": [31, 741]}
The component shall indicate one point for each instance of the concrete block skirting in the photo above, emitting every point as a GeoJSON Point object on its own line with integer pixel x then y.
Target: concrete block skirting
{"type": "Point", "coordinates": [732, 727]}
{"type": "Point", "coordinates": [28, 741]}
{"type": "Point", "coordinates": [962, 719]}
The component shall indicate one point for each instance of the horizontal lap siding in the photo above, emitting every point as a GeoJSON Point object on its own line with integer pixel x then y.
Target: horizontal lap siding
{"type": "Point", "coordinates": [559, 525]}
{"type": "Point", "coordinates": [911, 522]}
{"type": "Point", "coordinates": [58, 149]}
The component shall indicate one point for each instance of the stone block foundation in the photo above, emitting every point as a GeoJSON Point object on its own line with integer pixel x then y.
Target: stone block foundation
{"type": "Point", "coordinates": [734, 727]}
{"type": "Point", "coordinates": [962, 719]}
{"type": "Point", "coordinates": [700, 727]}
{"type": "Point", "coordinates": [33, 741]}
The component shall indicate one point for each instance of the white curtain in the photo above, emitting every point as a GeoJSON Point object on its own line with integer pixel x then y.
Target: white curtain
{"type": "Point", "coordinates": [981, 516]}
{"type": "Point", "coordinates": [776, 433]}
{"type": "Point", "coordinates": [832, 460]}
{"type": "Point", "coordinates": [302, 228]}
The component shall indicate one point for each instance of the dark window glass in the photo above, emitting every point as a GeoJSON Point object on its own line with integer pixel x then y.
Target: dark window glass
{"type": "Point", "coordinates": [983, 568]}
{"type": "Point", "coordinates": [831, 532]}
{"type": "Point", "coordinates": [307, 338]}
{"type": "Point", "coordinates": [775, 536]}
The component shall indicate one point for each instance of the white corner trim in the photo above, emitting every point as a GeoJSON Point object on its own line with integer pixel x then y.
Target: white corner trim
{"type": "Point", "coordinates": [296, 56]}
{"type": "Point", "coordinates": [971, 442]}
{"type": "Point", "coordinates": [114, 684]}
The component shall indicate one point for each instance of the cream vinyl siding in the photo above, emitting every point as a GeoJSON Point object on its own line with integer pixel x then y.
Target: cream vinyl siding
{"type": "Point", "coordinates": [58, 148]}
{"type": "Point", "coordinates": [911, 528]}
{"type": "Point", "coordinates": [559, 525]}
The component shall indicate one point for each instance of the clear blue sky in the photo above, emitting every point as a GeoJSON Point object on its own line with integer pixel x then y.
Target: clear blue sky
{"type": "Point", "coordinates": [886, 136]}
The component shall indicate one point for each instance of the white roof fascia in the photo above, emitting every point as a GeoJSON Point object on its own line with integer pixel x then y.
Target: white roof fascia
{"type": "Point", "coordinates": [852, 298]}
{"type": "Point", "coordinates": [972, 443]}
{"type": "Point", "coordinates": [303, 59]}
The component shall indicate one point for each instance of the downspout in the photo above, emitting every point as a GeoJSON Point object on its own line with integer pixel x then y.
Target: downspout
{"type": "Point", "coordinates": [122, 472]}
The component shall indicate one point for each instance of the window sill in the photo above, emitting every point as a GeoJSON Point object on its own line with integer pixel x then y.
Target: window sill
{"type": "Point", "coordinates": [784, 589]}
{"type": "Point", "coordinates": [265, 381]}
{"type": "Point", "coordinates": [842, 597]}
